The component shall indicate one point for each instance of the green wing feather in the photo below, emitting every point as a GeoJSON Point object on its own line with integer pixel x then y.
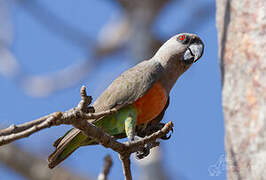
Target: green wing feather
{"type": "Point", "coordinates": [74, 138]}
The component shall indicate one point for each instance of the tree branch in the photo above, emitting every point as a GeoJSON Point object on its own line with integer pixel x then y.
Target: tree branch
{"type": "Point", "coordinates": [78, 117]}
{"type": "Point", "coordinates": [108, 163]}
{"type": "Point", "coordinates": [31, 166]}
{"type": "Point", "coordinates": [16, 129]}
{"type": "Point", "coordinates": [14, 132]}
{"type": "Point", "coordinates": [126, 166]}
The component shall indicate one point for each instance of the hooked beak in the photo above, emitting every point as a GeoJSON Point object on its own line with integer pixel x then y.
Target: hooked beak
{"type": "Point", "coordinates": [193, 53]}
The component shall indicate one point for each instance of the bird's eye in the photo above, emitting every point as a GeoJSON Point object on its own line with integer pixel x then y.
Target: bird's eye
{"type": "Point", "coordinates": [182, 37]}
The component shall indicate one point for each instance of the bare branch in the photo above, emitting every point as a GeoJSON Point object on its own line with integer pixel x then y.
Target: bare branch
{"type": "Point", "coordinates": [14, 132]}
{"type": "Point", "coordinates": [106, 169]}
{"type": "Point", "coordinates": [32, 167]}
{"type": "Point", "coordinates": [78, 118]}
{"type": "Point", "coordinates": [126, 166]}
{"type": "Point", "coordinates": [124, 149]}
{"type": "Point", "coordinates": [62, 28]}
{"type": "Point", "coordinates": [16, 129]}
{"type": "Point", "coordinates": [27, 132]}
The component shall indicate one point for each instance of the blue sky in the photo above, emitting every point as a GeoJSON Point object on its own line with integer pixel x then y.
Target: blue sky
{"type": "Point", "coordinates": [195, 108]}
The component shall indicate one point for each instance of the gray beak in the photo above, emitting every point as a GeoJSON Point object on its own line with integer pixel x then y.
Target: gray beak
{"type": "Point", "coordinates": [193, 53]}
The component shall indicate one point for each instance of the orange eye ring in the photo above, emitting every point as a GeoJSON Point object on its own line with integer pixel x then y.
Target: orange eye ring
{"type": "Point", "coordinates": [182, 37]}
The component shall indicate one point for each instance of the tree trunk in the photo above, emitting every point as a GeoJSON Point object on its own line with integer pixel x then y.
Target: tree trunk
{"type": "Point", "coordinates": [241, 28]}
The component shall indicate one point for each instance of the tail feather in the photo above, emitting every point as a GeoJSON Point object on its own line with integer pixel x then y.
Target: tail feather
{"type": "Point", "coordinates": [58, 141]}
{"type": "Point", "coordinates": [72, 132]}
{"type": "Point", "coordinates": [65, 146]}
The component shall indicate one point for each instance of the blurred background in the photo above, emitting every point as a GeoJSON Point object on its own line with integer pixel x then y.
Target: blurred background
{"type": "Point", "coordinates": [49, 49]}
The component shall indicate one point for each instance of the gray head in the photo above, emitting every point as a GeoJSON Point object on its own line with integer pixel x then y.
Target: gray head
{"type": "Point", "coordinates": [185, 47]}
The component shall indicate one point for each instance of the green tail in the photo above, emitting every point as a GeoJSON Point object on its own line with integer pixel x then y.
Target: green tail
{"type": "Point", "coordinates": [74, 138]}
{"type": "Point", "coordinates": [66, 145]}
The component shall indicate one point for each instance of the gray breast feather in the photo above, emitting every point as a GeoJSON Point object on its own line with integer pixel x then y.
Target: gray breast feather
{"type": "Point", "coordinates": [129, 86]}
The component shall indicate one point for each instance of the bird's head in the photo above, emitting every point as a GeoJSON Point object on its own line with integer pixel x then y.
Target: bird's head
{"type": "Point", "coordinates": [186, 47]}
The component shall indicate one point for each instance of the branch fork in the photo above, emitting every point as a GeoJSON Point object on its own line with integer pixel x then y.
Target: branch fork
{"type": "Point", "coordinates": [78, 117]}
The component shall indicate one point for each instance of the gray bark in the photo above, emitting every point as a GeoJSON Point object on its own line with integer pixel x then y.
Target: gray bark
{"type": "Point", "coordinates": [241, 28]}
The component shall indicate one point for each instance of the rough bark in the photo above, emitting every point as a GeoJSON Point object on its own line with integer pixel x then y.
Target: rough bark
{"type": "Point", "coordinates": [242, 46]}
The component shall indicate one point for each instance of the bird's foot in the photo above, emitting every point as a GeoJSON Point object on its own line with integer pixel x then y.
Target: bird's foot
{"type": "Point", "coordinates": [143, 153]}
{"type": "Point", "coordinates": [145, 150]}
{"type": "Point", "coordinates": [152, 128]}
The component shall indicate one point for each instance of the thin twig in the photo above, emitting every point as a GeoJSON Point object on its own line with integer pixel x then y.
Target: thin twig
{"type": "Point", "coordinates": [27, 132]}
{"type": "Point", "coordinates": [85, 100]}
{"type": "Point", "coordinates": [15, 129]}
{"type": "Point", "coordinates": [32, 167]}
{"type": "Point", "coordinates": [106, 168]}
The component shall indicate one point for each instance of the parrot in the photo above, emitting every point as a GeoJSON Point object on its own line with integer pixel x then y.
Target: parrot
{"type": "Point", "coordinates": [140, 95]}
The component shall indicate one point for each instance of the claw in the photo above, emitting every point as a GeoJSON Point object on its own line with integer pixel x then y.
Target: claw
{"type": "Point", "coordinates": [172, 129]}
{"type": "Point", "coordinates": [168, 137]}
{"type": "Point", "coordinates": [154, 128]}
{"type": "Point", "coordinates": [142, 154]}
{"type": "Point", "coordinates": [91, 109]}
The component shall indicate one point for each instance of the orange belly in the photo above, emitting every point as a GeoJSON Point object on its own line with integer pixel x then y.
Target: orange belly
{"type": "Point", "coordinates": [151, 104]}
